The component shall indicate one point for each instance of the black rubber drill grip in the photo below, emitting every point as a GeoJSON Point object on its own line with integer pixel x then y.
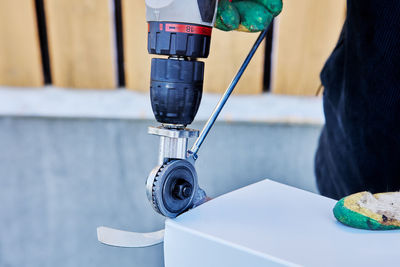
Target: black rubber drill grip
{"type": "Point", "coordinates": [176, 89]}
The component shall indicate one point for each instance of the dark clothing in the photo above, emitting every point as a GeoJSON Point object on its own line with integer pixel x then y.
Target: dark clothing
{"type": "Point", "coordinates": [359, 147]}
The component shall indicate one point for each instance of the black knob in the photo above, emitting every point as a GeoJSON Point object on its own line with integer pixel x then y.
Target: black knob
{"type": "Point", "coordinates": [182, 190]}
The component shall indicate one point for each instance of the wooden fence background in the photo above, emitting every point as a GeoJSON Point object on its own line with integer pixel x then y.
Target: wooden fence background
{"type": "Point", "coordinates": [81, 41]}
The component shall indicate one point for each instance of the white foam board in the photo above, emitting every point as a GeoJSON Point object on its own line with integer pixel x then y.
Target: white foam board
{"type": "Point", "coordinates": [271, 224]}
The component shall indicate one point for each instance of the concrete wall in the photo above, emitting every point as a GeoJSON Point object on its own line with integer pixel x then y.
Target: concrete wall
{"type": "Point", "coordinates": [61, 178]}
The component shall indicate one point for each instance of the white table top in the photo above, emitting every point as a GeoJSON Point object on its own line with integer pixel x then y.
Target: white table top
{"type": "Point", "coordinates": [290, 225]}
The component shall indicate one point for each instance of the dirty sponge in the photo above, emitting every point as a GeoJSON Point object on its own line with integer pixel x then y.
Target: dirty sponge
{"type": "Point", "coordinates": [369, 211]}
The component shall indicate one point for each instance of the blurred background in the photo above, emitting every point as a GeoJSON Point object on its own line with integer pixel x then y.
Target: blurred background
{"type": "Point", "coordinates": [74, 112]}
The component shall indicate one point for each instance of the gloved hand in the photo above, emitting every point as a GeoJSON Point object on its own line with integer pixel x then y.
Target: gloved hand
{"type": "Point", "coordinates": [246, 15]}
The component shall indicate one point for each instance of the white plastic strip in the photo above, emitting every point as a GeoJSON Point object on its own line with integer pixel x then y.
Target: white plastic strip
{"type": "Point", "coordinates": [119, 238]}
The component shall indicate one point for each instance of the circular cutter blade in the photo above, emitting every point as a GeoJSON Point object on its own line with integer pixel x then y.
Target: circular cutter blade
{"type": "Point", "coordinates": [171, 188]}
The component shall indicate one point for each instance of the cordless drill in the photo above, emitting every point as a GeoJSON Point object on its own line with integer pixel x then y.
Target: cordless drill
{"type": "Point", "coordinates": [181, 30]}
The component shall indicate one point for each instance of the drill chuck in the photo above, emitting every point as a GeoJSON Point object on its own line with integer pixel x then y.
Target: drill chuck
{"type": "Point", "coordinates": [176, 89]}
{"type": "Point", "coordinates": [176, 83]}
{"type": "Point", "coordinates": [181, 30]}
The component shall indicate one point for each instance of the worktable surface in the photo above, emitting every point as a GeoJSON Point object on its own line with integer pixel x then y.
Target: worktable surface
{"type": "Point", "coordinates": [271, 224]}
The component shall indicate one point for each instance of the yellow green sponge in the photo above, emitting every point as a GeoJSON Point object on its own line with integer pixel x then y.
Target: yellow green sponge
{"type": "Point", "coordinates": [369, 211]}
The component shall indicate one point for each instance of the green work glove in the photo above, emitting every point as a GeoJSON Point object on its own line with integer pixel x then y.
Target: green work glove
{"type": "Point", "coordinates": [246, 15]}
